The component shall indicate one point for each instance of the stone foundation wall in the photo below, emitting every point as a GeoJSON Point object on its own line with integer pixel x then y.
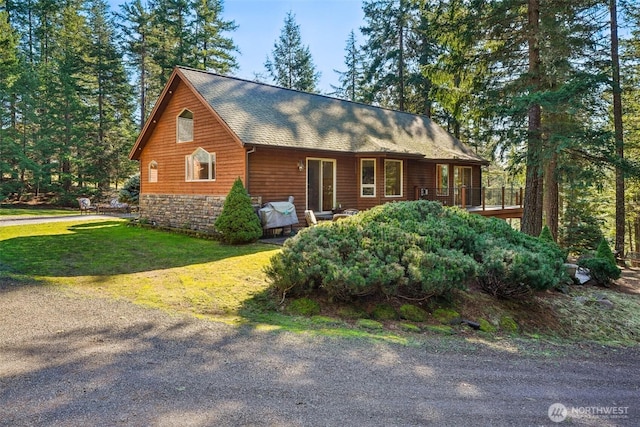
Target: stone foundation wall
{"type": "Point", "coordinates": [182, 211]}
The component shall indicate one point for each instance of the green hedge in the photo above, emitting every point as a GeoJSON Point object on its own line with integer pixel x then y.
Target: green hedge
{"type": "Point", "coordinates": [412, 249]}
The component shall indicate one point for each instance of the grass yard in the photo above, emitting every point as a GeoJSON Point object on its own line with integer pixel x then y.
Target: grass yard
{"type": "Point", "coordinates": [177, 273]}
{"type": "Point", "coordinates": [151, 268]}
{"type": "Point", "coordinates": [20, 212]}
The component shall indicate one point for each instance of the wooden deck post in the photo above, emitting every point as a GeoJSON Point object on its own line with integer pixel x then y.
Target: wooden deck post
{"type": "Point", "coordinates": [503, 197]}
{"type": "Point", "coordinates": [463, 192]}
{"type": "Point", "coordinates": [484, 198]}
{"type": "Point", "coordinates": [521, 195]}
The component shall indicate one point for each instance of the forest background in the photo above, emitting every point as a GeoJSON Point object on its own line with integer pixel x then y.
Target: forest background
{"type": "Point", "coordinates": [547, 89]}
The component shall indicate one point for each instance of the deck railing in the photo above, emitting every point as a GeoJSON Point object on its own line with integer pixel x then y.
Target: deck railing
{"type": "Point", "coordinates": [474, 197]}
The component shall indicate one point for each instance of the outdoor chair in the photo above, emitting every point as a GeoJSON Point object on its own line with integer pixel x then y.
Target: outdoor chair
{"type": "Point", "coordinates": [85, 205]}
{"type": "Point", "coordinates": [310, 217]}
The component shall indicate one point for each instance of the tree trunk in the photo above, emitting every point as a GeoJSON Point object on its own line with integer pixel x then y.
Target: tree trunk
{"type": "Point", "coordinates": [532, 215]}
{"type": "Point", "coordinates": [617, 122]}
{"type": "Point", "coordinates": [551, 197]}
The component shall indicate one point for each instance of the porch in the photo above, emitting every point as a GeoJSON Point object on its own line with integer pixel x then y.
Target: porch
{"type": "Point", "coordinates": [500, 202]}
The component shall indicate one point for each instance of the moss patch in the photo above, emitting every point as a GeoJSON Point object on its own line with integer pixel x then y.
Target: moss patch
{"type": "Point", "coordinates": [446, 316]}
{"type": "Point", "coordinates": [409, 327]}
{"type": "Point", "coordinates": [509, 325]}
{"type": "Point", "coordinates": [384, 312]}
{"type": "Point", "coordinates": [486, 326]}
{"type": "Point", "coordinates": [440, 329]}
{"type": "Point", "coordinates": [413, 313]}
{"type": "Point", "coordinates": [350, 312]}
{"type": "Point", "coordinates": [303, 307]}
{"type": "Point", "coordinates": [370, 324]}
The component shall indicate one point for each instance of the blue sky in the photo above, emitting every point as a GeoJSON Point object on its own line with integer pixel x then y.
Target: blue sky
{"type": "Point", "coordinates": [324, 28]}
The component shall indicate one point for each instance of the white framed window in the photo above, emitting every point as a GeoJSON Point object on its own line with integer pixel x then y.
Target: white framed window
{"type": "Point", "coordinates": [442, 180]}
{"type": "Point", "coordinates": [367, 177]}
{"type": "Point", "coordinates": [200, 166]}
{"type": "Point", "coordinates": [393, 178]}
{"type": "Point", "coordinates": [153, 171]}
{"type": "Point", "coordinates": [184, 126]}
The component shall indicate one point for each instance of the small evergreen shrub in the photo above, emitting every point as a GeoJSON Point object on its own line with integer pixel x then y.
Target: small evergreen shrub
{"type": "Point", "coordinates": [602, 268]}
{"type": "Point", "coordinates": [130, 192]}
{"type": "Point", "coordinates": [545, 235]}
{"type": "Point", "coordinates": [605, 252]}
{"type": "Point", "coordinates": [238, 222]}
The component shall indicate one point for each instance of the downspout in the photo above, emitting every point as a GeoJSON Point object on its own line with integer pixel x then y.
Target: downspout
{"type": "Point", "coordinates": [246, 168]}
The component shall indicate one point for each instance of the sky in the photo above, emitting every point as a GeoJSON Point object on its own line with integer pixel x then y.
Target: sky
{"type": "Point", "coordinates": [324, 28]}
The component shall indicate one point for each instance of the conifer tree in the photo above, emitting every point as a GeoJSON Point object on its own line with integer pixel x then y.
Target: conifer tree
{"type": "Point", "coordinates": [292, 65]}
{"type": "Point", "coordinates": [238, 222]}
{"type": "Point", "coordinates": [210, 49]}
{"type": "Point", "coordinates": [351, 80]}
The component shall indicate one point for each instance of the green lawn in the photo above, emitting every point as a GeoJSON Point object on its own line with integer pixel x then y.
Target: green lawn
{"type": "Point", "coordinates": [153, 268]}
{"type": "Point", "coordinates": [177, 273]}
{"type": "Point", "coordinates": [21, 212]}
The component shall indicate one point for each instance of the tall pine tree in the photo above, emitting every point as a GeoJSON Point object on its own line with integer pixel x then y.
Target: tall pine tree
{"type": "Point", "coordinates": [292, 65]}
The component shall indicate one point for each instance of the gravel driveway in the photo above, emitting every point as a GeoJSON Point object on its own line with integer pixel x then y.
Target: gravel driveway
{"type": "Point", "coordinates": [72, 360]}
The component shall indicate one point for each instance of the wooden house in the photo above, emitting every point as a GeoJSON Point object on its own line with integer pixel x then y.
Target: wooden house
{"type": "Point", "coordinates": [206, 130]}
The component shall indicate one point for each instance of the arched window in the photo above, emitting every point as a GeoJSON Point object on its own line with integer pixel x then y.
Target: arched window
{"type": "Point", "coordinates": [153, 171]}
{"type": "Point", "coordinates": [200, 166]}
{"type": "Point", "coordinates": [184, 126]}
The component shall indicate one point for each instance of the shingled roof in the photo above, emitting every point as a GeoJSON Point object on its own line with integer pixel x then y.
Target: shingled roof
{"type": "Point", "coordinates": [265, 115]}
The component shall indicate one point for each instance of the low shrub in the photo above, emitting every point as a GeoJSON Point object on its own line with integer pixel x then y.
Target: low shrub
{"type": "Point", "coordinates": [413, 249]}
{"type": "Point", "coordinates": [601, 270]}
{"type": "Point", "coordinates": [602, 267]}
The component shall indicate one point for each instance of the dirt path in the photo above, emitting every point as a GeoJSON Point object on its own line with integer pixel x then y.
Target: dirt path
{"type": "Point", "coordinates": [71, 360]}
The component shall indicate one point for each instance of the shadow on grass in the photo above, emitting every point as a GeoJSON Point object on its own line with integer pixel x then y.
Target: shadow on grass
{"type": "Point", "coordinates": [108, 248]}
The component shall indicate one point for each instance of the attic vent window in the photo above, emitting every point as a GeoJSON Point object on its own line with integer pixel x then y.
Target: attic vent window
{"type": "Point", "coordinates": [185, 126]}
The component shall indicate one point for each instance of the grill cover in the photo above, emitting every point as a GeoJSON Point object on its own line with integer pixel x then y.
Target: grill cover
{"type": "Point", "coordinates": [278, 214]}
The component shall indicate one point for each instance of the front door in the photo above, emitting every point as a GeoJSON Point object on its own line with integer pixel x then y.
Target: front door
{"type": "Point", "coordinates": [321, 184]}
{"type": "Point", "coordinates": [462, 177]}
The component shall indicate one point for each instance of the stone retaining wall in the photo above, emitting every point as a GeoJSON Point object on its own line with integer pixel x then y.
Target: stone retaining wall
{"type": "Point", "coordinates": [192, 212]}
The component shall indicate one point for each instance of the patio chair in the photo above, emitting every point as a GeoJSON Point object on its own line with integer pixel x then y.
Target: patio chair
{"type": "Point", "coordinates": [310, 217]}
{"type": "Point", "coordinates": [85, 205]}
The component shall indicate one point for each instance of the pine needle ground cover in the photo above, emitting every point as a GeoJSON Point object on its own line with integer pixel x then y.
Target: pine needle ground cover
{"type": "Point", "coordinates": [152, 268]}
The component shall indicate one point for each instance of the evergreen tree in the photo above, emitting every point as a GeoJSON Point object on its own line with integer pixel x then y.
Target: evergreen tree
{"type": "Point", "coordinates": [351, 80]}
{"type": "Point", "coordinates": [9, 72]}
{"type": "Point", "coordinates": [388, 26]}
{"type": "Point", "coordinates": [112, 101]}
{"type": "Point", "coordinates": [136, 24]}
{"type": "Point", "coordinates": [210, 50]}
{"type": "Point", "coordinates": [238, 222]}
{"type": "Point", "coordinates": [292, 65]}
